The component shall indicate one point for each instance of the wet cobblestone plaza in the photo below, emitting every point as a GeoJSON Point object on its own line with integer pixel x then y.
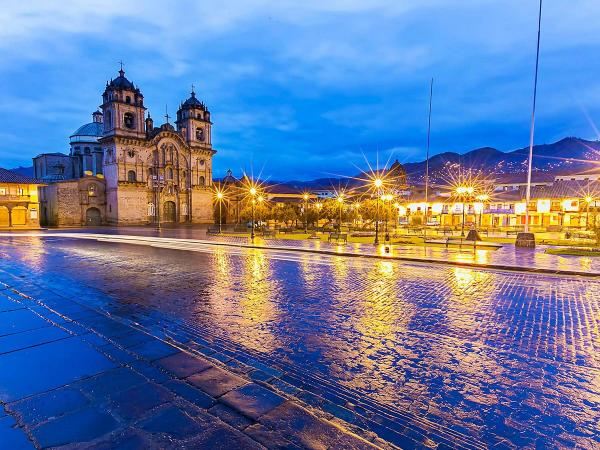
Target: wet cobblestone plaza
{"type": "Point", "coordinates": [429, 354]}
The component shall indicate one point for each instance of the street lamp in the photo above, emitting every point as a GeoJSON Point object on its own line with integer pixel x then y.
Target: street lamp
{"type": "Point", "coordinates": [464, 191]}
{"type": "Point", "coordinates": [482, 198]}
{"type": "Point", "coordinates": [305, 197]}
{"type": "Point", "coordinates": [340, 200]}
{"type": "Point", "coordinates": [589, 199]}
{"type": "Point", "coordinates": [318, 205]}
{"type": "Point", "coordinates": [386, 199]}
{"type": "Point", "coordinates": [253, 194]}
{"type": "Point", "coordinates": [377, 182]}
{"type": "Point", "coordinates": [220, 197]}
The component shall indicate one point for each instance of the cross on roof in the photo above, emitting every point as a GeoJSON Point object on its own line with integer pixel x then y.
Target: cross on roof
{"type": "Point", "coordinates": [193, 91]}
{"type": "Point", "coordinates": [167, 114]}
{"type": "Point", "coordinates": [121, 64]}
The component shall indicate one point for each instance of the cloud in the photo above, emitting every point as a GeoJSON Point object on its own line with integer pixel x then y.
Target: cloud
{"type": "Point", "coordinates": [305, 87]}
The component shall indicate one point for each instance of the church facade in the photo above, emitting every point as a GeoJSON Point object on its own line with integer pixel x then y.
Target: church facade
{"type": "Point", "coordinates": [122, 170]}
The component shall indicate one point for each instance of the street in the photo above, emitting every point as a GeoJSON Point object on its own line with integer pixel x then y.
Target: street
{"type": "Point", "coordinates": [487, 357]}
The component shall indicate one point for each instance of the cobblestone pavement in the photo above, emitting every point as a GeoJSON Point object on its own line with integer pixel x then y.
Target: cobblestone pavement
{"type": "Point", "coordinates": [421, 355]}
{"type": "Point", "coordinates": [508, 255]}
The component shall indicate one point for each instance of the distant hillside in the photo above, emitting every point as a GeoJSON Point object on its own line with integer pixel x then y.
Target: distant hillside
{"type": "Point", "coordinates": [567, 155]}
{"type": "Point", "coordinates": [25, 171]}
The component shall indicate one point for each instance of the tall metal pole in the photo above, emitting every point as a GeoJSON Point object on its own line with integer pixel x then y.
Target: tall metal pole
{"type": "Point", "coordinates": [377, 219]}
{"type": "Point", "coordinates": [529, 167]}
{"type": "Point", "coordinates": [220, 220]}
{"type": "Point", "coordinates": [252, 229]}
{"type": "Point", "coordinates": [427, 161]}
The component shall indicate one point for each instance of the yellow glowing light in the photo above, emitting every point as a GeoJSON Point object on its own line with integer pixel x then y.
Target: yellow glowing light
{"type": "Point", "coordinates": [340, 199]}
{"type": "Point", "coordinates": [570, 205]}
{"type": "Point", "coordinates": [387, 197]}
{"type": "Point", "coordinates": [252, 190]}
{"type": "Point", "coordinates": [543, 206]}
{"type": "Point", "coordinates": [260, 198]}
{"type": "Point", "coordinates": [589, 199]}
{"type": "Point", "coordinates": [305, 196]}
{"type": "Point", "coordinates": [397, 205]}
{"type": "Point", "coordinates": [378, 182]}
{"type": "Point", "coordinates": [220, 195]}
{"type": "Point", "coordinates": [319, 205]}
{"type": "Point", "coordinates": [520, 208]}
{"type": "Point", "coordinates": [437, 208]}
{"type": "Point", "coordinates": [483, 197]}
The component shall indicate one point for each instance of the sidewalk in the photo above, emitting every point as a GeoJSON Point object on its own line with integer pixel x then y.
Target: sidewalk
{"type": "Point", "coordinates": [80, 376]}
{"type": "Point", "coordinates": [506, 258]}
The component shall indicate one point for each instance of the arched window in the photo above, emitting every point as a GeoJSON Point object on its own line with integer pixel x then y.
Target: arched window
{"type": "Point", "coordinates": [200, 134]}
{"type": "Point", "coordinates": [131, 176]}
{"type": "Point", "coordinates": [201, 181]}
{"type": "Point", "coordinates": [128, 120]}
{"type": "Point", "coordinates": [92, 190]}
{"type": "Point", "coordinates": [128, 99]}
{"type": "Point", "coordinates": [170, 173]}
{"type": "Point", "coordinates": [151, 209]}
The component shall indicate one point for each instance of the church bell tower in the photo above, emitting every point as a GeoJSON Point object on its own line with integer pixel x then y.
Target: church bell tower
{"type": "Point", "coordinates": [193, 122]}
{"type": "Point", "coordinates": [123, 108]}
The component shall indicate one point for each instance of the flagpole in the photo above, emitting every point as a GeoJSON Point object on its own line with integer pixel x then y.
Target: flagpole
{"type": "Point", "coordinates": [531, 133]}
{"type": "Point", "coordinates": [427, 161]}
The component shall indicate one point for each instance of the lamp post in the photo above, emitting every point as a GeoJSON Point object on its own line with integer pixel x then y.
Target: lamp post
{"type": "Point", "coordinates": [318, 206]}
{"type": "Point", "coordinates": [253, 194]}
{"type": "Point", "coordinates": [386, 199]}
{"type": "Point", "coordinates": [260, 200]}
{"type": "Point", "coordinates": [588, 200]}
{"type": "Point", "coordinates": [462, 192]}
{"type": "Point", "coordinates": [340, 200]}
{"type": "Point", "coordinates": [377, 182]}
{"type": "Point", "coordinates": [482, 198]}
{"type": "Point", "coordinates": [305, 197]}
{"type": "Point", "coordinates": [220, 200]}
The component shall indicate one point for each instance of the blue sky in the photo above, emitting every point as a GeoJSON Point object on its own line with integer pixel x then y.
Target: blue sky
{"type": "Point", "coordinates": [304, 89]}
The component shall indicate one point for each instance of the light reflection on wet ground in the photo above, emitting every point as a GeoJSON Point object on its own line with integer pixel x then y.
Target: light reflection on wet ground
{"type": "Point", "coordinates": [486, 353]}
{"type": "Point", "coordinates": [508, 255]}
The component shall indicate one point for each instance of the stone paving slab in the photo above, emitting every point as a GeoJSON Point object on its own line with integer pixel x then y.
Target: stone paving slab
{"type": "Point", "coordinates": [31, 338]}
{"type": "Point", "coordinates": [89, 389]}
{"type": "Point", "coordinates": [44, 367]}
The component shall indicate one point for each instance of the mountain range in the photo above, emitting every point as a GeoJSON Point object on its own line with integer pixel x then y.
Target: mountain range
{"type": "Point", "coordinates": [570, 154]}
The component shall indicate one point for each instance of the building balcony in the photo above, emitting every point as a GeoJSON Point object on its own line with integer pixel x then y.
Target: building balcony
{"type": "Point", "coordinates": [15, 198]}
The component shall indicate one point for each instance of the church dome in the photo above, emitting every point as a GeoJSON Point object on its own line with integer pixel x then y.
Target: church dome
{"type": "Point", "coordinates": [90, 132]}
{"type": "Point", "coordinates": [193, 102]}
{"type": "Point", "coordinates": [121, 82]}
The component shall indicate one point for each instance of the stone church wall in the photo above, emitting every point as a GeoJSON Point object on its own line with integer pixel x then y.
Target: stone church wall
{"type": "Point", "coordinates": [202, 206]}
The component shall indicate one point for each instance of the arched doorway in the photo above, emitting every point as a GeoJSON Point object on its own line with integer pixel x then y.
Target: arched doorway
{"type": "Point", "coordinates": [169, 213]}
{"type": "Point", "coordinates": [93, 217]}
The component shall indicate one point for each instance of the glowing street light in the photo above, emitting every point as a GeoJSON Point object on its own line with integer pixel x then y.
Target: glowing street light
{"type": "Point", "coordinates": [482, 198]}
{"type": "Point", "coordinates": [340, 200]}
{"type": "Point", "coordinates": [378, 183]}
{"type": "Point", "coordinates": [220, 196]}
{"type": "Point", "coordinates": [305, 197]}
{"type": "Point", "coordinates": [386, 199]}
{"type": "Point", "coordinates": [253, 193]}
{"type": "Point", "coordinates": [588, 199]}
{"type": "Point", "coordinates": [464, 191]}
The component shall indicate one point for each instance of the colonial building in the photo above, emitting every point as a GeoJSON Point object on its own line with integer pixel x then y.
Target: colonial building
{"type": "Point", "coordinates": [122, 170]}
{"type": "Point", "coordinates": [19, 206]}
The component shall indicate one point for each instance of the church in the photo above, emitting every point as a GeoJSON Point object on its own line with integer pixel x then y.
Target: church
{"type": "Point", "coordinates": [122, 170]}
